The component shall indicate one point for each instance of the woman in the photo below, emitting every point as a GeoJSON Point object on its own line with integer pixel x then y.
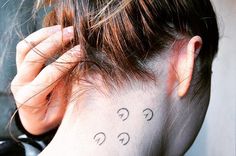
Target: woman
{"type": "Point", "coordinates": [129, 77]}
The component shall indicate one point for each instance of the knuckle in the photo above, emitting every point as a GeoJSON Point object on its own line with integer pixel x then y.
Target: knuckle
{"type": "Point", "coordinates": [20, 46]}
{"type": "Point", "coordinates": [13, 86]}
{"type": "Point", "coordinates": [16, 84]}
{"type": "Point", "coordinates": [22, 95]}
{"type": "Point", "coordinates": [42, 31]}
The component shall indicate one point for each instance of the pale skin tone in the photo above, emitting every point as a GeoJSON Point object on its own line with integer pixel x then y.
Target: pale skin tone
{"type": "Point", "coordinates": [25, 85]}
{"type": "Point", "coordinates": [95, 113]}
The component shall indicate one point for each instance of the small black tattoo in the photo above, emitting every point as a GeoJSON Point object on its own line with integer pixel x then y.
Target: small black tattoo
{"type": "Point", "coordinates": [123, 113]}
{"type": "Point", "coordinates": [100, 138]}
{"type": "Point", "coordinates": [148, 113]}
{"type": "Point", "coordinates": [124, 138]}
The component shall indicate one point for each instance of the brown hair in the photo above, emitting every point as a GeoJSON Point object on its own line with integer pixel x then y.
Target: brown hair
{"type": "Point", "coordinates": [117, 37]}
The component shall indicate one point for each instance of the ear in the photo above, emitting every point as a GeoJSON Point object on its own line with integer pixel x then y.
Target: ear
{"type": "Point", "coordinates": [185, 64]}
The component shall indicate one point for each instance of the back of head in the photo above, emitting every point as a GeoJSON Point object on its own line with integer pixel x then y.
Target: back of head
{"type": "Point", "coordinates": [117, 38]}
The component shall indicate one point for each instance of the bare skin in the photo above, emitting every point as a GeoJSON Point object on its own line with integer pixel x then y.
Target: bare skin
{"type": "Point", "coordinates": [140, 119]}
{"type": "Point", "coordinates": [32, 85]}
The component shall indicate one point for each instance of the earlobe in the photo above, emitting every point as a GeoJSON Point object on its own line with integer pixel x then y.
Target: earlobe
{"type": "Point", "coordinates": [185, 64]}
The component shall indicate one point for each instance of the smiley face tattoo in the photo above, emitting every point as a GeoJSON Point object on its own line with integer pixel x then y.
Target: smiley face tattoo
{"type": "Point", "coordinates": [148, 114]}
{"type": "Point", "coordinates": [123, 138]}
{"type": "Point", "coordinates": [123, 113]}
{"type": "Point", "coordinates": [99, 138]}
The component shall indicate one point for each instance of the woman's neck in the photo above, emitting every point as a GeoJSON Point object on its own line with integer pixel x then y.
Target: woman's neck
{"type": "Point", "coordinates": [136, 120]}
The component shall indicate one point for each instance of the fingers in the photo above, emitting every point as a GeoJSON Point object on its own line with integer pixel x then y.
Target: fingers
{"type": "Point", "coordinates": [49, 77]}
{"type": "Point", "coordinates": [32, 40]}
{"type": "Point", "coordinates": [38, 56]}
{"type": "Point", "coordinates": [59, 68]}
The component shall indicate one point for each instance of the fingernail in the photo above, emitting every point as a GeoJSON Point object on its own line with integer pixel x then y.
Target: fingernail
{"type": "Point", "coordinates": [69, 30]}
{"type": "Point", "coordinates": [55, 28]}
{"type": "Point", "coordinates": [76, 51]}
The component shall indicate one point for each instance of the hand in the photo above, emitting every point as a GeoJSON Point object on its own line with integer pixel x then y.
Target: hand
{"type": "Point", "coordinates": [39, 90]}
